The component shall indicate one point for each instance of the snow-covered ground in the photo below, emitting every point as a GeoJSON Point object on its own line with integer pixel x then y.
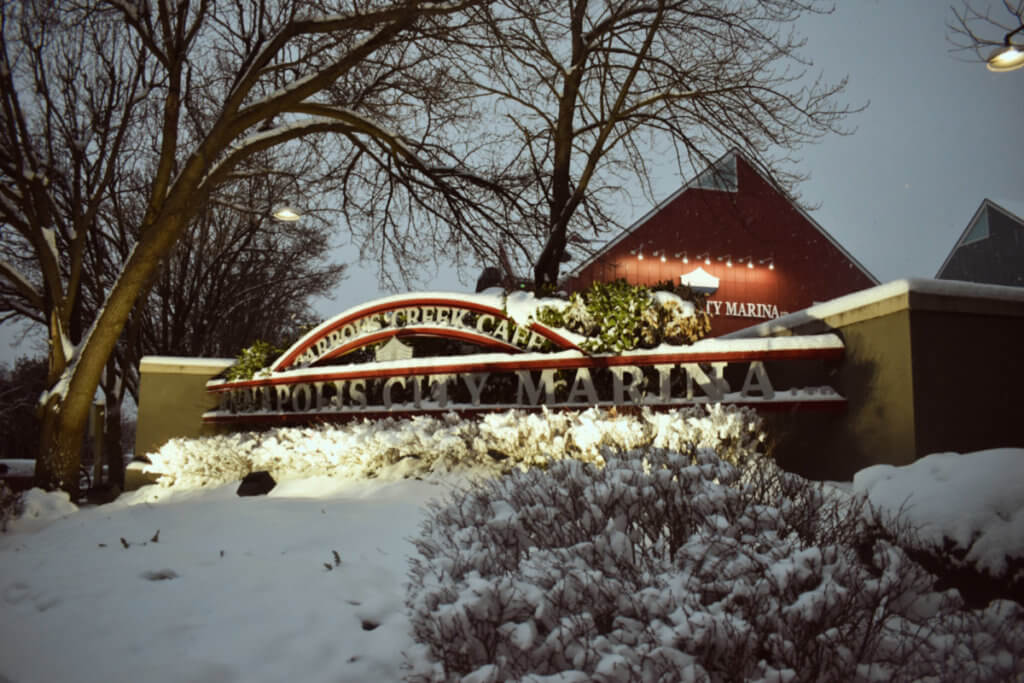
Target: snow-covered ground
{"type": "Point", "coordinates": [197, 584]}
{"type": "Point", "coordinates": [232, 589]}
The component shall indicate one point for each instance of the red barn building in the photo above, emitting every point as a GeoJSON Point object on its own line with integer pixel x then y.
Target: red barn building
{"type": "Point", "coordinates": [733, 234]}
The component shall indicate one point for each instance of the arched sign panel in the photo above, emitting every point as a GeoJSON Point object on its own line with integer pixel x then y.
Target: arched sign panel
{"type": "Point", "coordinates": [411, 315]}
{"type": "Point", "coordinates": [502, 364]}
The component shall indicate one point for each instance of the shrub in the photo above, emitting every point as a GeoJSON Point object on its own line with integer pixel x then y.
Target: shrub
{"type": "Point", "coordinates": [668, 566]}
{"type": "Point", "coordinates": [975, 546]}
{"type": "Point", "coordinates": [496, 443]}
{"type": "Point", "coordinates": [618, 316]}
{"type": "Point", "coordinates": [252, 360]}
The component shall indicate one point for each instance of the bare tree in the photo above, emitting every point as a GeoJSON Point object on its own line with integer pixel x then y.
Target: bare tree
{"type": "Point", "coordinates": [591, 91]}
{"type": "Point", "coordinates": [175, 102]}
{"type": "Point", "coordinates": [980, 28]}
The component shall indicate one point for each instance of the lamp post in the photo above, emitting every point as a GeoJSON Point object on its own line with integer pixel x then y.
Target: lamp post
{"type": "Point", "coordinates": [1008, 57]}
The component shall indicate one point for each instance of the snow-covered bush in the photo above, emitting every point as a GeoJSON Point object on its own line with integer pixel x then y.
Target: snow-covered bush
{"type": "Point", "coordinates": [976, 545]}
{"type": "Point", "coordinates": [666, 566]}
{"type": "Point", "coordinates": [496, 443]}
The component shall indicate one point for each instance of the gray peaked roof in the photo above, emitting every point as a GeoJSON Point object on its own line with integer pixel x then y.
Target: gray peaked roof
{"type": "Point", "coordinates": [1014, 208]}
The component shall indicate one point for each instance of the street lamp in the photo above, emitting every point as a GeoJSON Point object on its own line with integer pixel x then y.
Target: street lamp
{"type": "Point", "coordinates": [1008, 57]}
{"type": "Point", "coordinates": [287, 214]}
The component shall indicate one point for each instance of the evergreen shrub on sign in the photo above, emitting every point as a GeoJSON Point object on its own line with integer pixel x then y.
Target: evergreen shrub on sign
{"type": "Point", "coordinates": [252, 361]}
{"type": "Point", "coordinates": [618, 316]}
{"type": "Point", "coordinates": [669, 566]}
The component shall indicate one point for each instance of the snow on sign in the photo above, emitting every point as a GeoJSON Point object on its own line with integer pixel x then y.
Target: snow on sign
{"type": "Point", "coordinates": [430, 353]}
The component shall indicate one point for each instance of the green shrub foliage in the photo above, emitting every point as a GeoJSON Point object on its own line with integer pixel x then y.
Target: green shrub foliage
{"type": "Point", "coordinates": [684, 292]}
{"type": "Point", "coordinates": [617, 316]}
{"type": "Point", "coordinates": [252, 360]}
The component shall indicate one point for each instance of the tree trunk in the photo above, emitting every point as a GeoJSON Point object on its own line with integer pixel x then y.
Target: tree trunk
{"type": "Point", "coordinates": [66, 416]}
{"type": "Point", "coordinates": [545, 273]}
{"type": "Point", "coordinates": [60, 446]}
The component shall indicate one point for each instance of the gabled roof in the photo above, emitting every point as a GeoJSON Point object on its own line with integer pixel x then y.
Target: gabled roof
{"type": "Point", "coordinates": [719, 171]}
{"type": "Point", "coordinates": [1011, 207]}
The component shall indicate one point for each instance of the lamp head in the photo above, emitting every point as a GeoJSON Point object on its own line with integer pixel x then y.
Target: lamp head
{"type": "Point", "coordinates": [287, 213]}
{"type": "Point", "coordinates": [1005, 58]}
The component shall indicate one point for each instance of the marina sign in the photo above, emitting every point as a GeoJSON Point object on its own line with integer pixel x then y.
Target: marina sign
{"type": "Point", "coordinates": [438, 353]}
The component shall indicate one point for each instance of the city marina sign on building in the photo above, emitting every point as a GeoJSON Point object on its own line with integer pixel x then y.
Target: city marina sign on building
{"type": "Point", "coordinates": [699, 280]}
{"type": "Point", "coordinates": [744, 309]}
{"type": "Point", "coordinates": [416, 354]}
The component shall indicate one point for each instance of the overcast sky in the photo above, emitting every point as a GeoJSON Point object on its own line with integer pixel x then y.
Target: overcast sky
{"type": "Point", "coordinates": [939, 135]}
